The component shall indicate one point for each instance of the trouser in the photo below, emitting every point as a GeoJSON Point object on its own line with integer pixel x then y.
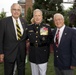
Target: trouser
{"type": "Point", "coordinates": [38, 69]}
{"type": "Point", "coordinates": [63, 72]}
{"type": "Point", "coordinates": [9, 66]}
{"type": "Point", "coordinates": [15, 66]}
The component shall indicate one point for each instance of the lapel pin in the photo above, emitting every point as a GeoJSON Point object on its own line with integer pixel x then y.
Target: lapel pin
{"type": "Point", "coordinates": [65, 33]}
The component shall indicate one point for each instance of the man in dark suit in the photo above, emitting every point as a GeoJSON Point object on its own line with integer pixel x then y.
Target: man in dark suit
{"type": "Point", "coordinates": [40, 37]}
{"type": "Point", "coordinates": [64, 47]}
{"type": "Point", "coordinates": [12, 41]}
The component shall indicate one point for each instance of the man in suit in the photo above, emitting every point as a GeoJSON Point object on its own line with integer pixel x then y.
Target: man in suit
{"type": "Point", "coordinates": [12, 41]}
{"type": "Point", "coordinates": [40, 37]}
{"type": "Point", "coordinates": [64, 47]}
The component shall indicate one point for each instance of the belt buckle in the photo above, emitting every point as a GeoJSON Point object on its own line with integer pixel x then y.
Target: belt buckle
{"type": "Point", "coordinates": [36, 44]}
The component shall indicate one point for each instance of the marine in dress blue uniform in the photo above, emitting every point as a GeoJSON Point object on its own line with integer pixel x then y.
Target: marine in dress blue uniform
{"type": "Point", "coordinates": [40, 36]}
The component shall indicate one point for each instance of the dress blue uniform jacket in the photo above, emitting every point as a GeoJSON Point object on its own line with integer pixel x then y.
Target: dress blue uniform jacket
{"type": "Point", "coordinates": [65, 53]}
{"type": "Point", "coordinates": [39, 44]}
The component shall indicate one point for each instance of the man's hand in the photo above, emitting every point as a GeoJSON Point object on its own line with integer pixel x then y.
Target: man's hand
{"type": "Point", "coordinates": [1, 57]}
{"type": "Point", "coordinates": [72, 67]}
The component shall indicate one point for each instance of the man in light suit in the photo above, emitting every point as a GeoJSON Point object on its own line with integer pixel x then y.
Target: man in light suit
{"type": "Point", "coordinates": [65, 49]}
{"type": "Point", "coordinates": [12, 48]}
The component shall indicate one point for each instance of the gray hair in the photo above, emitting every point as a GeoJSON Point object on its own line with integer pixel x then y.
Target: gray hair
{"type": "Point", "coordinates": [58, 14]}
{"type": "Point", "coordinates": [16, 4]}
{"type": "Point", "coordinates": [37, 10]}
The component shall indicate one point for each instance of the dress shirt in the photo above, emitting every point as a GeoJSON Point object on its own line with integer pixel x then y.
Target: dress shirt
{"type": "Point", "coordinates": [60, 33]}
{"type": "Point", "coordinates": [19, 22]}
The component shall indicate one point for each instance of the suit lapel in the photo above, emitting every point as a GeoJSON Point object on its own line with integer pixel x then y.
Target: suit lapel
{"type": "Point", "coordinates": [23, 26]}
{"type": "Point", "coordinates": [11, 26]}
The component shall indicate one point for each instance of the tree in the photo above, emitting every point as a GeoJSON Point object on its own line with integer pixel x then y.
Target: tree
{"type": "Point", "coordinates": [2, 14]}
{"type": "Point", "coordinates": [72, 15]}
{"type": "Point", "coordinates": [29, 15]}
{"type": "Point", "coordinates": [49, 8]}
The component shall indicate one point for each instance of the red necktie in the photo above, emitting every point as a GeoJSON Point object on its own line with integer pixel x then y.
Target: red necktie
{"type": "Point", "coordinates": [57, 38]}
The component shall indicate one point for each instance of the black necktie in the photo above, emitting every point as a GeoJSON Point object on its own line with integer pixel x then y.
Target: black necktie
{"type": "Point", "coordinates": [18, 30]}
{"type": "Point", "coordinates": [57, 38]}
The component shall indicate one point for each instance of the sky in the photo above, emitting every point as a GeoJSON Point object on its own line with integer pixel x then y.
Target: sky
{"type": "Point", "coordinates": [6, 4]}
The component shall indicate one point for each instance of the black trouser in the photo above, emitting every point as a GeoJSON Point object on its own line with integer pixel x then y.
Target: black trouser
{"type": "Point", "coordinates": [9, 67]}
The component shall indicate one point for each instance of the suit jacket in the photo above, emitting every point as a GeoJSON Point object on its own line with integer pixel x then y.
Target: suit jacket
{"type": "Point", "coordinates": [9, 45]}
{"type": "Point", "coordinates": [39, 44]}
{"type": "Point", "coordinates": [65, 53]}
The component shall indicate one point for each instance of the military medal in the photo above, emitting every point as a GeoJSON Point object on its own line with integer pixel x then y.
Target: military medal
{"type": "Point", "coordinates": [44, 31]}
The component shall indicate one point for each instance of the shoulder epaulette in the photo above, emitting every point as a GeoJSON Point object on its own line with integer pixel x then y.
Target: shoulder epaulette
{"type": "Point", "coordinates": [46, 24]}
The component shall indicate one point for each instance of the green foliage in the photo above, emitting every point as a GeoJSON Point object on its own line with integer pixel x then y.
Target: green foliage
{"type": "Point", "coordinates": [29, 15]}
{"type": "Point", "coordinates": [66, 17]}
{"type": "Point", "coordinates": [2, 15]}
{"type": "Point", "coordinates": [72, 15]}
{"type": "Point", "coordinates": [50, 68]}
{"type": "Point", "coordinates": [49, 8]}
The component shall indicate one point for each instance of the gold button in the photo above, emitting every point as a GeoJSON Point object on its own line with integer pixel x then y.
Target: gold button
{"type": "Point", "coordinates": [36, 32]}
{"type": "Point", "coordinates": [36, 36]}
{"type": "Point", "coordinates": [37, 27]}
{"type": "Point", "coordinates": [36, 41]}
{"type": "Point", "coordinates": [57, 56]}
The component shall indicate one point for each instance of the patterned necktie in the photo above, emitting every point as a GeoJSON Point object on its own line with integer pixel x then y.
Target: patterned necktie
{"type": "Point", "coordinates": [18, 30]}
{"type": "Point", "coordinates": [57, 38]}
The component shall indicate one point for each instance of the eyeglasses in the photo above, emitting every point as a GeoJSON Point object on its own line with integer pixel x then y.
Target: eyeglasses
{"type": "Point", "coordinates": [16, 10]}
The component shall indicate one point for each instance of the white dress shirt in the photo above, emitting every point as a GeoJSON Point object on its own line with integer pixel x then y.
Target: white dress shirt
{"type": "Point", "coordinates": [19, 22]}
{"type": "Point", "coordinates": [60, 33]}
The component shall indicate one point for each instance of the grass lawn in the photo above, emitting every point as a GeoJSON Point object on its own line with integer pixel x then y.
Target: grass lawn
{"type": "Point", "coordinates": [50, 70]}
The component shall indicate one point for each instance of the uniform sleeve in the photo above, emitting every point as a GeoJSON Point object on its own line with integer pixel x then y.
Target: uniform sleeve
{"type": "Point", "coordinates": [26, 29]}
{"type": "Point", "coordinates": [50, 35]}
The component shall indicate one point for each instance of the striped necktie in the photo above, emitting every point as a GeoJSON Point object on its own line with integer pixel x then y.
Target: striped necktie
{"type": "Point", "coordinates": [57, 38]}
{"type": "Point", "coordinates": [18, 30]}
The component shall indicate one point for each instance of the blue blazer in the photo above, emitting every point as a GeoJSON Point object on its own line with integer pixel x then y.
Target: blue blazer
{"type": "Point", "coordinates": [65, 53]}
